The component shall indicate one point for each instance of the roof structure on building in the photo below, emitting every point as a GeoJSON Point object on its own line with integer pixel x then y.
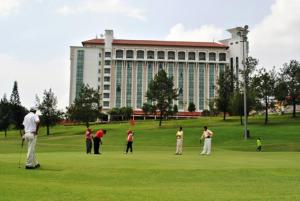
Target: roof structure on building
{"type": "Point", "coordinates": [156, 43]}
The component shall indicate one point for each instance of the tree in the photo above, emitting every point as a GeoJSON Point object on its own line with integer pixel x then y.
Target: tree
{"type": "Point", "coordinates": [48, 107]}
{"type": "Point", "coordinates": [126, 112]}
{"type": "Point", "coordinates": [14, 97]}
{"type": "Point", "coordinates": [161, 93]}
{"type": "Point", "coordinates": [281, 92]}
{"type": "Point", "coordinates": [263, 84]}
{"type": "Point", "coordinates": [146, 108]}
{"type": "Point", "coordinates": [225, 91]}
{"type": "Point", "coordinates": [237, 105]}
{"type": "Point", "coordinates": [247, 75]}
{"type": "Point", "coordinates": [86, 107]}
{"type": "Point", "coordinates": [18, 112]}
{"type": "Point", "coordinates": [5, 114]}
{"type": "Point", "coordinates": [115, 114]}
{"type": "Point", "coordinates": [290, 74]}
{"type": "Point", "coordinates": [175, 109]}
{"type": "Point", "coordinates": [192, 107]}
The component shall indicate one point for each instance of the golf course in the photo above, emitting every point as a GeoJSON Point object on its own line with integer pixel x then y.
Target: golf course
{"type": "Point", "coordinates": [233, 172]}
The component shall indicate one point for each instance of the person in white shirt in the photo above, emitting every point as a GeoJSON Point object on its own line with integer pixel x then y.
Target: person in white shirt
{"type": "Point", "coordinates": [31, 126]}
{"type": "Point", "coordinates": [207, 135]}
{"type": "Point", "coordinates": [179, 141]}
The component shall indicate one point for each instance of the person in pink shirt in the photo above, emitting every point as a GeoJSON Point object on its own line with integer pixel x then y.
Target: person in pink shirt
{"type": "Point", "coordinates": [129, 141]}
{"type": "Point", "coordinates": [88, 140]}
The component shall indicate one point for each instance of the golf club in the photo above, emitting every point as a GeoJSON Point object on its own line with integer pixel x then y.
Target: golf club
{"type": "Point", "coordinates": [21, 150]}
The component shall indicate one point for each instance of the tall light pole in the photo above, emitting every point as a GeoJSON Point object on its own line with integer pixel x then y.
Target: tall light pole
{"type": "Point", "coordinates": [243, 34]}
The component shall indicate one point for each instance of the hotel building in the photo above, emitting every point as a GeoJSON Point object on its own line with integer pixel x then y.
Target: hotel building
{"type": "Point", "coordinates": [121, 69]}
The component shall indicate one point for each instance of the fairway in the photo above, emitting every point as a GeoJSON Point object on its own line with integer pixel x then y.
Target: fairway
{"type": "Point", "coordinates": [234, 171]}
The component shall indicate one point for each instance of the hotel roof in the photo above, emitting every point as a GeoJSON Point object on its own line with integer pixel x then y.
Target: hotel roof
{"type": "Point", "coordinates": [156, 43]}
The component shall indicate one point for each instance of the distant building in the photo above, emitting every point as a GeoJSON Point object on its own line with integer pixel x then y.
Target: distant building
{"type": "Point", "coordinates": [121, 69]}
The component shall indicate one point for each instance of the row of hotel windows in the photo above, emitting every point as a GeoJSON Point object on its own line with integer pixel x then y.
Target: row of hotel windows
{"type": "Point", "coordinates": [170, 70]}
{"type": "Point", "coordinates": [140, 54]}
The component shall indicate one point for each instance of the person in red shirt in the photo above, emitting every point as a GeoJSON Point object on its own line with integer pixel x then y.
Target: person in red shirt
{"type": "Point", "coordinates": [97, 140]}
{"type": "Point", "coordinates": [88, 140]}
{"type": "Point", "coordinates": [129, 141]}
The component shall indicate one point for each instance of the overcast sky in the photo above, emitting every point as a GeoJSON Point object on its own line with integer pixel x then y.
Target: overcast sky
{"type": "Point", "coordinates": [35, 35]}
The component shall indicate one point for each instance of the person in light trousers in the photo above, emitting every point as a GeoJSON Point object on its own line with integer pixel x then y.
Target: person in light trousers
{"type": "Point", "coordinates": [179, 141]}
{"type": "Point", "coordinates": [207, 136]}
{"type": "Point", "coordinates": [31, 126]}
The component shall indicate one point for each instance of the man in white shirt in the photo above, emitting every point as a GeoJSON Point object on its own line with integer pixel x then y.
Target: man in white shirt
{"type": "Point", "coordinates": [207, 135]}
{"type": "Point", "coordinates": [31, 126]}
{"type": "Point", "coordinates": [179, 141]}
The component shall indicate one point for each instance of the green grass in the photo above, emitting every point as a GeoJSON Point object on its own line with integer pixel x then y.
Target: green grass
{"type": "Point", "coordinates": [234, 171]}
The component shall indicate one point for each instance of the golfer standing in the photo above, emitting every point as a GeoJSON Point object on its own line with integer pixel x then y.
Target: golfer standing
{"type": "Point", "coordinates": [31, 126]}
{"type": "Point", "coordinates": [207, 135]}
{"type": "Point", "coordinates": [179, 141]}
{"type": "Point", "coordinates": [88, 140]}
{"type": "Point", "coordinates": [129, 141]}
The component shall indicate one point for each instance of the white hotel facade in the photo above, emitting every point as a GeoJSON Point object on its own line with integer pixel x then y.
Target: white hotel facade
{"type": "Point", "coordinates": [121, 69]}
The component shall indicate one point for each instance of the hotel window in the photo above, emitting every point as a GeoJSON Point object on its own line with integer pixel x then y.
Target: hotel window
{"type": "Point", "coordinates": [180, 85]}
{"type": "Point", "coordinates": [118, 83]}
{"type": "Point", "coordinates": [107, 70]}
{"type": "Point", "coordinates": [129, 84]}
{"type": "Point", "coordinates": [221, 68]}
{"type": "Point", "coordinates": [140, 54]}
{"type": "Point", "coordinates": [181, 55]}
{"type": "Point", "coordinates": [171, 55]}
{"type": "Point", "coordinates": [129, 54]}
{"type": "Point", "coordinates": [149, 75]}
{"type": "Point", "coordinates": [99, 63]}
{"type": "Point", "coordinates": [211, 80]}
{"type": "Point", "coordinates": [106, 103]}
{"type": "Point", "coordinates": [139, 84]}
{"type": "Point", "coordinates": [106, 79]}
{"type": "Point", "coordinates": [160, 66]}
{"type": "Point", "coordinates": [107, 54]}
{"type": "Point", "coordinates": [171, 70]}
{"type": "Point", "coordinates": [161, 55]}
{"type": "Point", "coordinates": [150, 55]}
{"type": "Point", "coordinates": [106, 95]}
{"type": "Point", "coordinates": [202, 56]}
{"type": "Point", "coordinates": [106, 87]}
{"type": "Point", "coordinates": [212, 56]}
{"type": "Point", "coordinates": [191, 83]}
{"type": "Point", "coordinates": [222, 57]}
{"type": "Point", "coordinates": [192, 56]}
{"type": "Point", "coordinates": [201, 86]}
{"type": "Point", "coordinates": [107, 62]}
{"type": "Point", "coordinates": [99, 55]}
{"type": "Point", "coordinates": [79, 71]}
{"type": "Point", "coordinates": [119, 54]}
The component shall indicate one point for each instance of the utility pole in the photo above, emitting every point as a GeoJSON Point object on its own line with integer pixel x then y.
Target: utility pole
{"type": "Point", "coordinates": [243, 34]}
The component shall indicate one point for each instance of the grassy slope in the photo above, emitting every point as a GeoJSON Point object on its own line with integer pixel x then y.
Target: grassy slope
{"type": "Point", "coordinates": [233, 172]}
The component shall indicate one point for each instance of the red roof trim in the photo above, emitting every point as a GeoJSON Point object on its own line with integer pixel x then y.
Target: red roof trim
{"type": "Point", "coordinates": [156, 43]}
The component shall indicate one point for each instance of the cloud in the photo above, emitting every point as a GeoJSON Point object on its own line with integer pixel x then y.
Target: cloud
{"type": "Point", "coordinates": [34, 77]}
{"type": "Point", "coordinates": [8, 7]}
{"type": "Point", "coordinates": [103, 6]}
{"type": "Point", "coordinates": [275, 40]}
{"type": "Point", "coordinates": [204, 33]}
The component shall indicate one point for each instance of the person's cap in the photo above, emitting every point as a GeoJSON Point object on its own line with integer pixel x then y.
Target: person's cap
{"type": "Point", "coordinates": [33, 109]}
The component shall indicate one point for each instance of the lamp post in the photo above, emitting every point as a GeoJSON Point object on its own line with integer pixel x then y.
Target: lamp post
{"type": "Point", "coordinates": [243, 34]}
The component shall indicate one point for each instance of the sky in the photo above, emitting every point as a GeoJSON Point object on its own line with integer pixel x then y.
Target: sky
{"type": "Point", "coordinates": [36, 35]}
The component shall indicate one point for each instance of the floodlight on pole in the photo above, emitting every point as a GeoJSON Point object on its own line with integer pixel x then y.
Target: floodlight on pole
{"type": "Point", "coordinates": [243, 34]}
